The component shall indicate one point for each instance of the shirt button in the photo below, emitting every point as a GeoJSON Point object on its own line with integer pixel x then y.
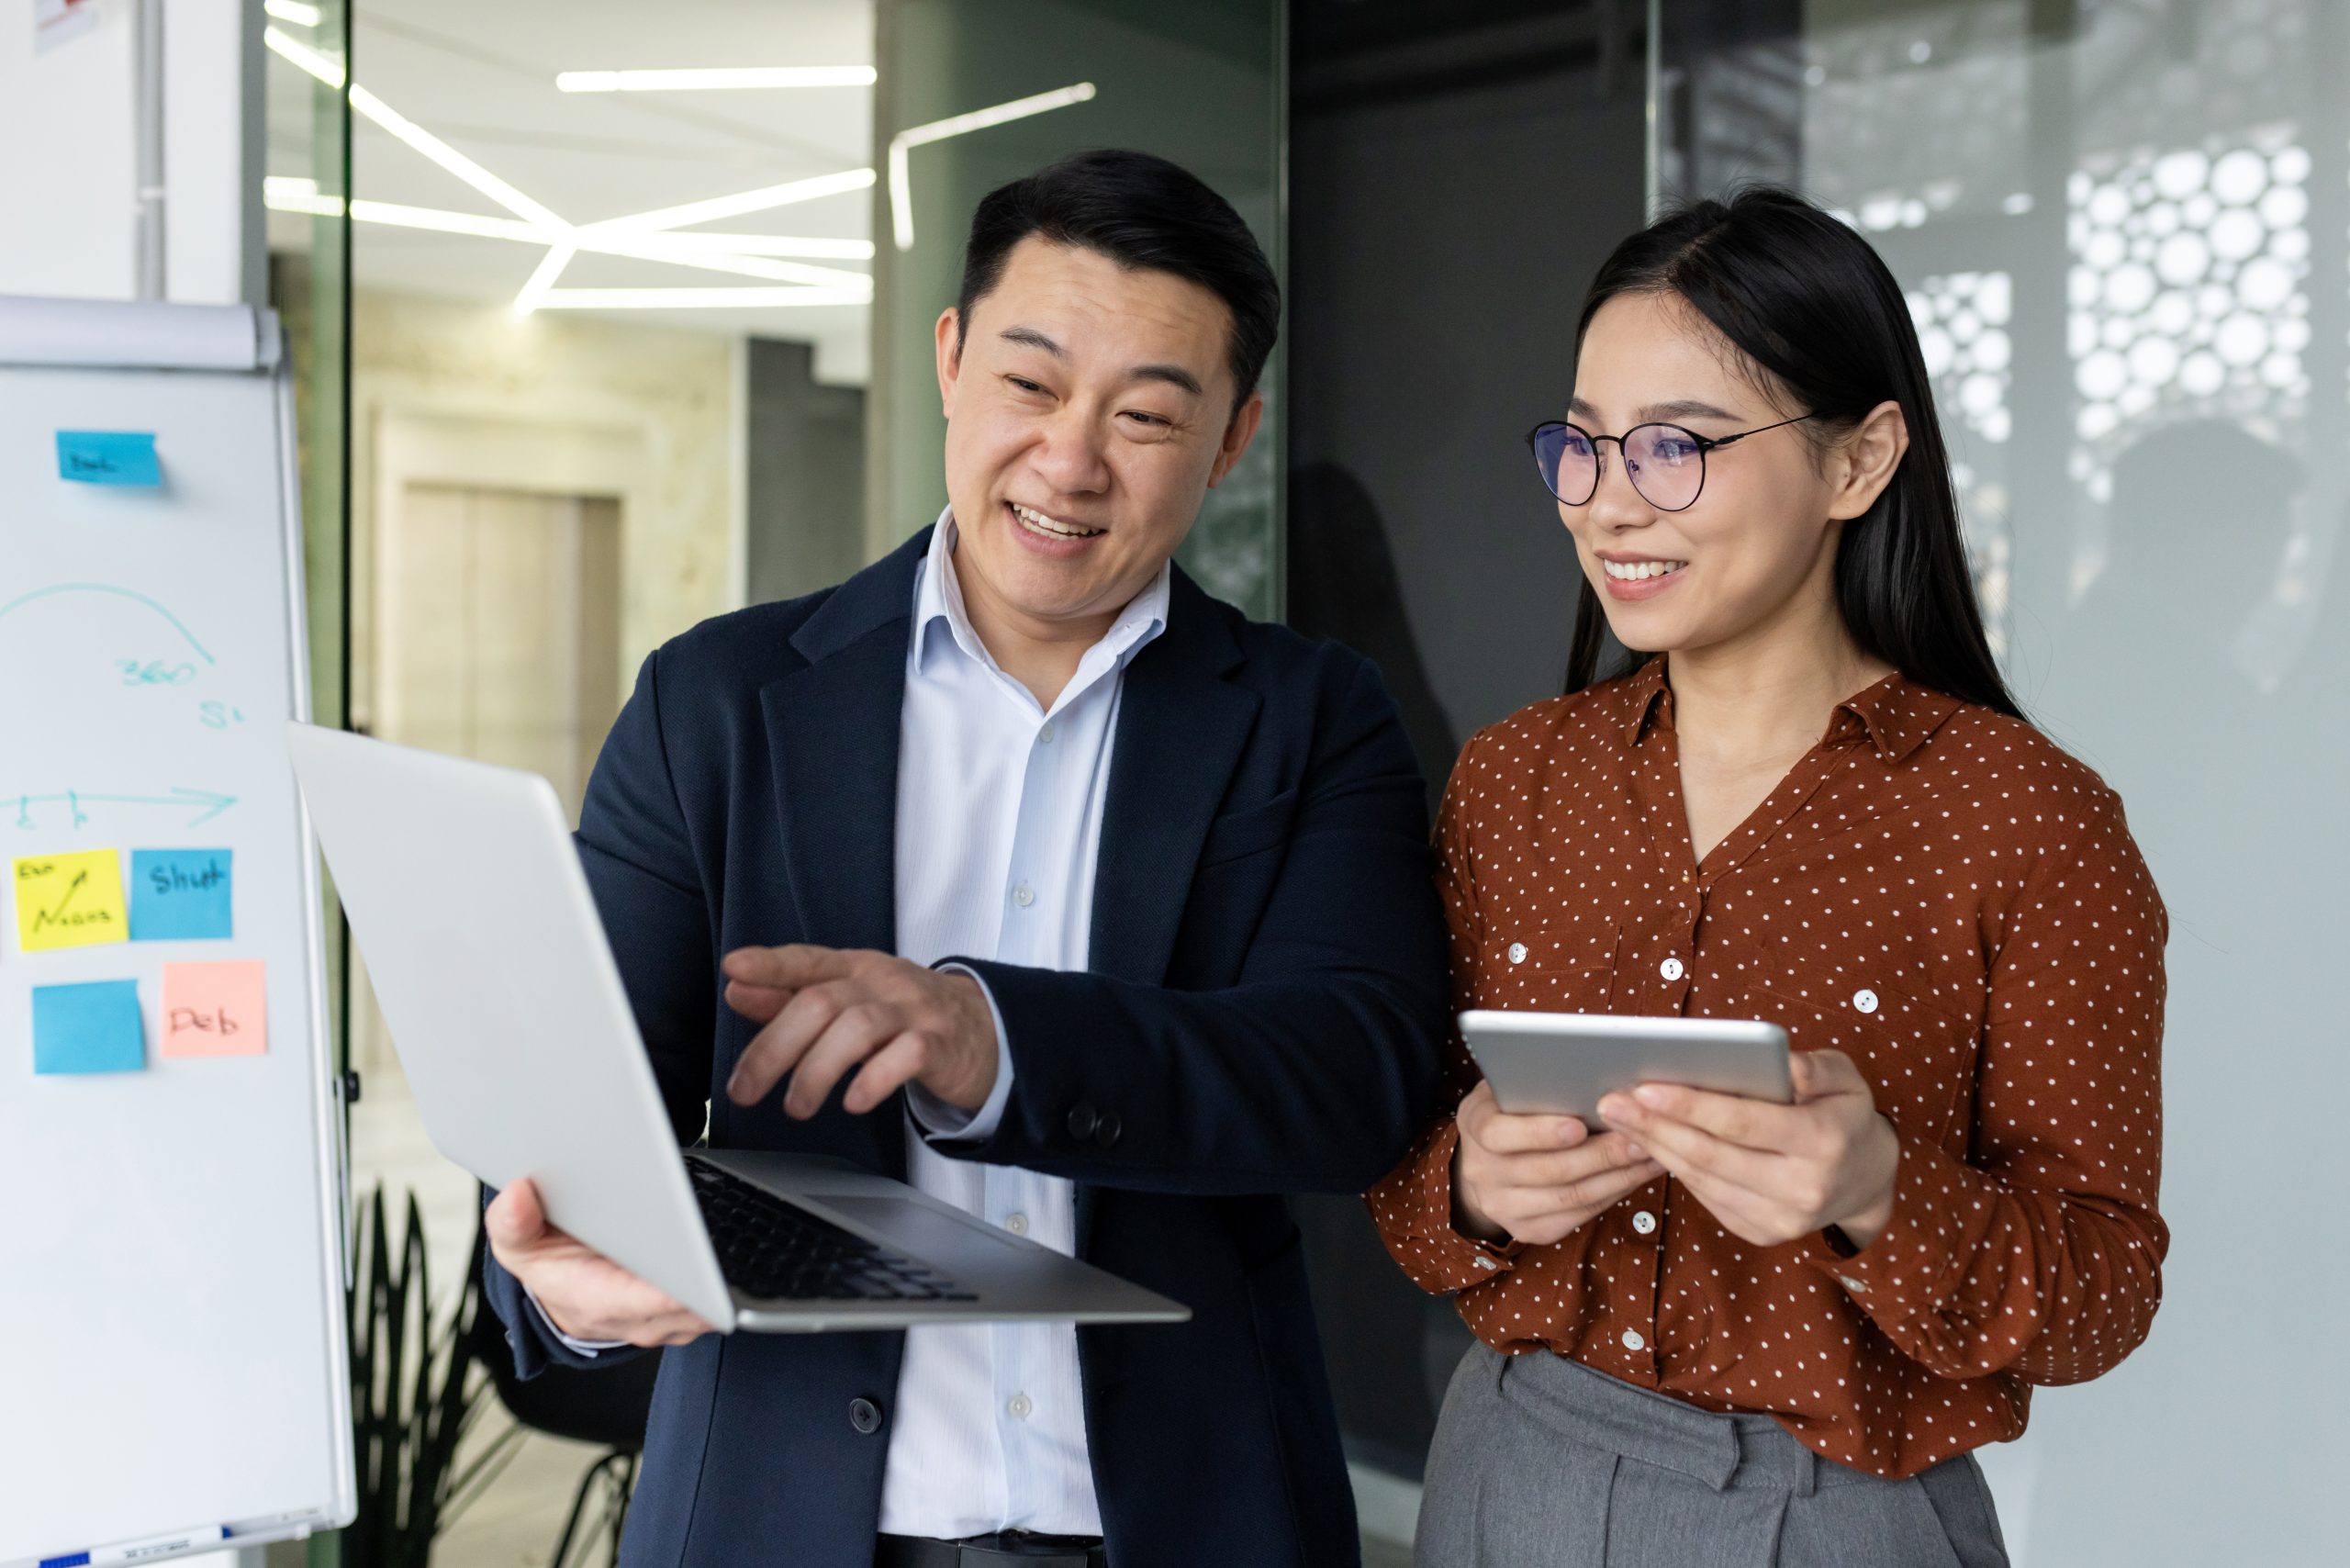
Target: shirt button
{"type": "Point", "coordinates": [1045, 734]}
{"type": "Point", "coordinates": [1019, 1407]}
{"type": "Point", "coordinates": [1864, 1000]}
{"type": "Point", "coordinates": [1518, 952]}
{"type": "Point", "coordinates": [1632, 1340]}
{"type": "Point", "coordinates": [1017, 1225]}
{"type": "Point", "coordinates": [1670, 970]}
{"type": "Point", "coordinates": [1645, 1223]}
{"type": "Point", "coordinates": [1023, 895]}
{"type": "Point", "coordinates": [865, 1416]}
{"type": "Point", "coordinates": [1851, 1284]}
{"type": "Point", "coordinates": [1486, 1262]}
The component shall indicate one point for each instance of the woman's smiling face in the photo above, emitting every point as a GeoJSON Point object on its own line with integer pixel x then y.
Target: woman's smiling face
{"type": "Point", "coordinates": [1760, 541]}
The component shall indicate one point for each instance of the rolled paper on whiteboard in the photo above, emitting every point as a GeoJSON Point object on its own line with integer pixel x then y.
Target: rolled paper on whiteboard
{"type": "Point", "coordinates": [137, 334]}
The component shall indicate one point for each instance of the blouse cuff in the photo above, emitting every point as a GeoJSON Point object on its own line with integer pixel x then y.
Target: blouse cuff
{"type": "Point", "coordinates": [1916, 1259]}
{"type": "Point", "coordinates": [1450, 1259]}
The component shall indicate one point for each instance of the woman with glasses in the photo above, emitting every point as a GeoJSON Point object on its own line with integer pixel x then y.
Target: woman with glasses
{"type": "Point", "coordinates": [1723, 1331]}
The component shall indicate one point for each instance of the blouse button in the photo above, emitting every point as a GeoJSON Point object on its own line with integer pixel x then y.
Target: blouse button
{"type": "Point", "coordinates": [1632, 1340]}
{"type": "Point", "coordinates": [1864, 1000]}
{"type": "Point", "coordinates": [1670, 970]}
{"type": "Point", "coordinates": [1518, 952]}
{"type": "Point", "coordinates": [1644, 1222]}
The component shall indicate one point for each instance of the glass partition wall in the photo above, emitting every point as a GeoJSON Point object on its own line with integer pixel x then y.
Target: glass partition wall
{"type": "Point", "coordinates": [974, 97]}
{"type": "Point", "coordinates": [2124, 230]}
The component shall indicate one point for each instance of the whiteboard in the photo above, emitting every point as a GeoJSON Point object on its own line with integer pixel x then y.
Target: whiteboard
{"type": "Point", "coordinates": [171, 1237]}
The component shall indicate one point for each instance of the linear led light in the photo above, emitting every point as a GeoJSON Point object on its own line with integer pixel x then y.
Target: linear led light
{"type": "Point", "coordinates": [325, 67]}
{"type": "Point", "coordinates": [715, 77]}
{"type": "Point", "coordinates": [422, 141]}
{"type": "Point", "coordinates": [765, 199]}
{"type": "Point", "coordinates": [693, 299]}
{"type": "Point", "coordinates": [550, 268]}
{"type": "Point", "coordinates": [806, 247]}
{"type": "Point", "coordinates": [330, 71]}
{"type": "Point", "coordinates": [642, 236]}
{"type": "Point", "coordinates": [288, 194]}
{"type": "Point", "coordinates": [902, 198]}
{"type": "Point", "coordinates": [292, 11]}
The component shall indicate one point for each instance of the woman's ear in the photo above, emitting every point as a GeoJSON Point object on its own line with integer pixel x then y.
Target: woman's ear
{"type": "Point", "coordinates": [1867, 459]}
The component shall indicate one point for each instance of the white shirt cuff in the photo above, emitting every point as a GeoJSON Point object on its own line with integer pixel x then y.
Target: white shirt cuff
{"type": "Point", "coordinates": [580, 1347]}
{"type": "Point", "coordinates": [939, 1120]}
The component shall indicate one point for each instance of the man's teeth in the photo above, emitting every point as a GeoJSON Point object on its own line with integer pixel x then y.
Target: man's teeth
{"type": "Point", "coordinates": [1633, 571]}
{"type": "Point", "coordinates": [1053, 526]}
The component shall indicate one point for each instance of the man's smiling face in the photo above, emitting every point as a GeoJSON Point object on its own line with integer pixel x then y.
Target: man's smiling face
{"type": "Point", "coordinates": [1088, 410]}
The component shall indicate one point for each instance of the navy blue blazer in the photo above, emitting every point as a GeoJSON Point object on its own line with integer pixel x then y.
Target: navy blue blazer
{"type": "Point", "coordinates": [1263, 1015]}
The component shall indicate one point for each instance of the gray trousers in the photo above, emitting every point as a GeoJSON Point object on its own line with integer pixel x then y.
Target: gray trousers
{"type": "Point", "coordinates": [1542, 1462]}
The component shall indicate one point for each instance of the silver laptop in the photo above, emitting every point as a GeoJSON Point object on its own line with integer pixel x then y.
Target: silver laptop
{"type": "Point", "coordinates": [465, 894]}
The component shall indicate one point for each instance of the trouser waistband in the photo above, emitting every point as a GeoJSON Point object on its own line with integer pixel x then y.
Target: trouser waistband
{"type": "Point", "coordinates": [1606, 1413]}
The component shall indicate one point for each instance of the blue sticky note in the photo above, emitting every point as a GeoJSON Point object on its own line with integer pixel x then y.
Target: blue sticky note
{"type": "Point", "coordinates": [91, 1027]}
{"type": "Point", "coordinates": [180, 895]}
{"type": "Point", "coordinates": [108, 457]}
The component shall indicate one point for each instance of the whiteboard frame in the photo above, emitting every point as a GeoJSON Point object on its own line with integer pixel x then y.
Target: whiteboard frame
{"type": "Point", "coordinates": [341, 1509]}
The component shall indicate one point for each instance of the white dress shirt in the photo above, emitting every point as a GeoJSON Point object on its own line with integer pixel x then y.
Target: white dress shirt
{"type": "Point", "coordinates": [999, 824]}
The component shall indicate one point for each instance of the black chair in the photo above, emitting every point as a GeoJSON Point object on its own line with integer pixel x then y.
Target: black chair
{"type": "Point", "coordinates": [607, 1407]}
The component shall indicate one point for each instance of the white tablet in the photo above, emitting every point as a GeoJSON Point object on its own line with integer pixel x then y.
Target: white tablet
{"type": "Point", "coordinates": [1563, 1063]}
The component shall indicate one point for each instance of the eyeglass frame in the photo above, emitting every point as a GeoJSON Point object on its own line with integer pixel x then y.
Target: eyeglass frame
{"type": "Point", "coordinates": [1706, 445]}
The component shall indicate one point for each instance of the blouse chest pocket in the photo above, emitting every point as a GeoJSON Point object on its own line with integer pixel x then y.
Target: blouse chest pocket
{"type": "Point", "coordinates": [1545, 967]}
{"type": "Point", "coordinates": [1917, 1058]}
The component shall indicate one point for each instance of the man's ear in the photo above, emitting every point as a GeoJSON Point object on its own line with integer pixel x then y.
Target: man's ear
{"type": "Point", "coordinates": [950, 357]}
{"type": "Point", "coordinates": [1246, 421]}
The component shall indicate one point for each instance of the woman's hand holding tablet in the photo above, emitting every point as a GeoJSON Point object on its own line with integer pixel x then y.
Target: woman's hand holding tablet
{"type": "Point", "coordinates": [1579, 1110]}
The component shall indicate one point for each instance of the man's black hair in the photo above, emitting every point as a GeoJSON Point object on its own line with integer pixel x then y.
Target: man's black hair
{"type": "Point", "coordinates": [1141, 212]}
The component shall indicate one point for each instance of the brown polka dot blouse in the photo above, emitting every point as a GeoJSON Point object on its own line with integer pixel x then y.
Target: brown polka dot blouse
{"type": "Point", "coordinates": [1935, 891]}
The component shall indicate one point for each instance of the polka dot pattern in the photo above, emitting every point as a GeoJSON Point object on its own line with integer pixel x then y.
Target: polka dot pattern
{"type": "Point", "coordinates": [1936, 892]}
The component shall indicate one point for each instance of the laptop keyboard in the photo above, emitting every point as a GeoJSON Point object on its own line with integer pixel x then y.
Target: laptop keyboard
{"type": "Point", "coordinates": [777, 1250]}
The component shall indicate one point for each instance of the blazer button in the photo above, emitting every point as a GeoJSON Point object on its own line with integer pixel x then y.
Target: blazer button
{"type": "Point", "coordinates": [865, 1416]}
{"type": "Point", "coordinates": [1106, 1129]}
{"type": "Point", "coordinates": [1082, 1120]}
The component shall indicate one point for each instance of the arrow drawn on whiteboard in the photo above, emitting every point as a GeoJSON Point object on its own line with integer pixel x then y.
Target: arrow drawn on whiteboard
{"type": "Point", "coordinates": [207, 804]}
{"type": "Point", "coordinates": [56, 589]}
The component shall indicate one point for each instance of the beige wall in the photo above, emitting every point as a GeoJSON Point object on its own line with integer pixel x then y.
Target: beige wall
{"type": "Point", "coordinates": [449, 393]}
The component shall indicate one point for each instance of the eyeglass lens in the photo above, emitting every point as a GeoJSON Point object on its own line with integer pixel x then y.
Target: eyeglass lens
{"type": "Point", "coordinates": [1666, 464]}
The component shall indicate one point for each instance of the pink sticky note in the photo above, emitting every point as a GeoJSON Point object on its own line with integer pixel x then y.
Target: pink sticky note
{"type": "Point", "coordinates": [216, 1009]}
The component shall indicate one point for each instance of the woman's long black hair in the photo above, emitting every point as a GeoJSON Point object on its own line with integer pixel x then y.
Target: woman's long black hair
{"type": "Point", "coordinates": [1811, 303]}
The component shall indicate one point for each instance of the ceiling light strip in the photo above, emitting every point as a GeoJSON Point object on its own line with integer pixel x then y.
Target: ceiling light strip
{"type": "Point", "coordinates": [325, 67]}
{"type": "Point", "coordinates": [422, 141]}
{"type": "Point", "coordinates": [719, 78]}
{"type": "Point", "coordinates": [550, 268]}
{"type": "Point", "coordinates": [901, 194]}
{"type": "Point", "coordinates": [693, 299]}
{"type": "Point", "coordinates": [293, 11]}
{"type": "Point", "coordinates": [765, 199]}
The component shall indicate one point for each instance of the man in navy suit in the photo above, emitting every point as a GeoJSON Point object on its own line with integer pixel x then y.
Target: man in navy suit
{"type": "Point", "coordinates": [1017, 867]}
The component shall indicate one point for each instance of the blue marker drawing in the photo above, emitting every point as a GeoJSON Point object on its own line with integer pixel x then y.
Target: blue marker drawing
{"type": "Point", "coordinates": [56, 589]}
{"type": "Point", "coordinates": [108, 457]}
{"type": "Point", "coordinates": [207, 804]}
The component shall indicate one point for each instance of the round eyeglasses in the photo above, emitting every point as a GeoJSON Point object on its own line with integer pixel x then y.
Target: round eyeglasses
{"type": "Point", "coordinates": [1665, 462]}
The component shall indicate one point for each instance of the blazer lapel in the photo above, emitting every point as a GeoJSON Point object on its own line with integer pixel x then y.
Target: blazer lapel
{"type": "Point", "coordinates": [1181, 728]}
{"type": "Point", "coordinates": [832, 734]}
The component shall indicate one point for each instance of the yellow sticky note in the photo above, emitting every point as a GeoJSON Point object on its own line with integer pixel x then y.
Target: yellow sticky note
{"type": "Point", "coordinates": [70, 901]}
{"type": "Point", "coordinates": [216, 1009]}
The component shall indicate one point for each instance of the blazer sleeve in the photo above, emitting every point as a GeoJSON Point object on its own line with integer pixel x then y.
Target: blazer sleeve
{"type": "Point", "coordinates": [1315, 1071]}
{"type": "Point", "coordinates": [635, 848]}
